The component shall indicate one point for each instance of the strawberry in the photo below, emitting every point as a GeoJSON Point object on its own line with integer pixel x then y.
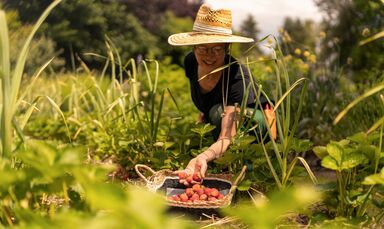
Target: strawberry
{"type": "Point", "coordinates": [182, 175]}
{"type": "Point", "coordinates": [214, 192]}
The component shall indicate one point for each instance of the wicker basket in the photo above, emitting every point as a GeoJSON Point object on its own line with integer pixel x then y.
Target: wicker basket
{"type": "Point", "coordinates": [164, 180]}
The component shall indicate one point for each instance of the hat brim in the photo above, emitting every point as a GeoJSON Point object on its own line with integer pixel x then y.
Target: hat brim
{"type": "Point", "coordinates": [196, 38]}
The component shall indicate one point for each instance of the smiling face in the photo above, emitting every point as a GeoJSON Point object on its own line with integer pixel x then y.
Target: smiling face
{"type": "Point", "coordinates": [210, 56]}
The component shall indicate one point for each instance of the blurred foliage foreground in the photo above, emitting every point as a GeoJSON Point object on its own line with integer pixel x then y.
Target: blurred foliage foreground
{"type": "Point", "coordinates": [70, 142]}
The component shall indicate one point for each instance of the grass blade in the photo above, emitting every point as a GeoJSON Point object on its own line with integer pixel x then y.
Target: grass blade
{"type": "Point", "coordinates": [357, 100]}
{"type": "Point", "coordinates": [57, 108]}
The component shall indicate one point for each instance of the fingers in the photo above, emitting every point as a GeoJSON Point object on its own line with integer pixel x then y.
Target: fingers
{"type": "Point", "coordinates": [201, 167]}
{"type": "Point", "coordinates": [203, 170]}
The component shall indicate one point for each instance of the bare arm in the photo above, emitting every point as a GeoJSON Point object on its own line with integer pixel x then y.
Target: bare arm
{"type": "Point", "coordinates": [228, 130]}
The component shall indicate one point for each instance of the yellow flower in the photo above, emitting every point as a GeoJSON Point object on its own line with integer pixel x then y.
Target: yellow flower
{"type": "Point", "coordinates": [288, 57]}
{"type": "Point", "coordinates": [298, 51]}
{"type": "Point", "coordinates": [306, 54]}
{"type": "Point", "coordinates": [322, 34]}
{"type": "Point", "coordinates": [268, 69]}
{"type": "Point", "coordinates": [365, 32]}
{"type": "Point", "coordinates": [312, 58]}
{"type": "Point", "coordinates": [270, 41]}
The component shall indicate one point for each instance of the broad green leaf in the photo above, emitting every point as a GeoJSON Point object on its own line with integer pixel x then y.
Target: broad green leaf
{"type": "Point", "coordinates": [203, 129]}
{"type": "Point", "coordinates": [244, 185]}
{"type": "Point", "coordinates": [360, 137]}
{"type": "Point", "coordinates": [243, 143]}
{"type": "Point", "coordinates": [320, 151]}
{"type": "Point", "coordinates": [369, 151]}
{"type": "Point", "coordinates": [335, 151]}
{"type": "Point", "coordinates": [227, 158]}
{"type": "Point", "coordinates": [352, 160]}
{"type": "Point", "coordinates": [375, 178]}
{"type": "Point", "coordinates": [105, 196]}
{"type": "Point", "coordinates": [300, 145]}
{"type": "Point", "coordinates": [330, 163]}
{"type": "Point", "coordinates": [344, 142]}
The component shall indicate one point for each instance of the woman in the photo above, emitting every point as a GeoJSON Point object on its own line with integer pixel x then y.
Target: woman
{"type": "Point", "coordinates": [217, 81]}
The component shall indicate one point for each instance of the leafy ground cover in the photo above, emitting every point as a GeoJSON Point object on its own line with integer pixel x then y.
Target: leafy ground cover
{"type": "Point", "coordinates": [70, 143]}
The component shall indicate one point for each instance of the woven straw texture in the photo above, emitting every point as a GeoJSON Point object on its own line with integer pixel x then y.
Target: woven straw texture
{"type": "Point", "coordinates": [210, 26]}
{"type": "Point", "coordinates": [160, 180]}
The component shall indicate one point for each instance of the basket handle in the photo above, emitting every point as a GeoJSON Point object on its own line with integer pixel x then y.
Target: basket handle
{"type": "Point", "coordinates": [141, 166]}
{"type": "Point", "coordinates": [238, 179]}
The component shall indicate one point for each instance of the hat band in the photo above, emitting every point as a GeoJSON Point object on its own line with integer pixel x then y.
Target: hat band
{"type": "Point", "coordinates": [198, 27]}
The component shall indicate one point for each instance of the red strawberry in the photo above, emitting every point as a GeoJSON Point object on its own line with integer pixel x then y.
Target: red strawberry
{"type": "Point", "coordinates": [196, 187]}
{"type": "Point", "coordinates": [200, 191]}
{"type": "Point", "coordinates": [215, 192]}
{"type": "Point", "coordinates": [189, 192]}
{"type": "Point", "coordinates": [182, 175]}
{"type": "Point", "coordinates": [183, 197]}
{"type": "Point", "coordinates": [208, 191]}
{"type": "Point", "coordinates": [203, 197]}
{"type": "Point", "coordinates": [211, 198]}
{"type": "Point", "coordinates": [194, 197]}
{"type": "Point", "coordinates": [196, 177]}
{"type": "Point", "coordinates": [189, 179]}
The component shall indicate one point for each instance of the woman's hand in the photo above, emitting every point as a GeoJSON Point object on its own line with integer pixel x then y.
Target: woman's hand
{"type": "Point", "coordinates": [196, 167]}
{"type": "Point", "coordinates": [271, 119]}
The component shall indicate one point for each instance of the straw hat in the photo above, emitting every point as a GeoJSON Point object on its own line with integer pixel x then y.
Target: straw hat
{"type": "Point", "coordinates": [210, 26]}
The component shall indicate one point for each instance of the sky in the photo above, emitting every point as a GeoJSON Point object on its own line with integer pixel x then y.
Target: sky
{"type": "Point", "coordinates": [269, 14]}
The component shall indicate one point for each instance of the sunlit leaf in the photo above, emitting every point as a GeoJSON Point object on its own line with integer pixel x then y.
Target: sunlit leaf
{"type": "Point", "coordinates": [335, 151]}
{"type": "Point", "coordinates": [244, 185]}
{"type": "Point", "coordinates": [330, 163]}
{"type": "Point", "coordinates": [320, 151]}
{"type": "Point", "coordinates": [352, 160]}
{"type": "Point", "coordinates": [375, 178]}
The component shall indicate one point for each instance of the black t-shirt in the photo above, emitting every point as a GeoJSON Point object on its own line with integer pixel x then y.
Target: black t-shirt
{"type": "Point", "coordinates": [236, 80]}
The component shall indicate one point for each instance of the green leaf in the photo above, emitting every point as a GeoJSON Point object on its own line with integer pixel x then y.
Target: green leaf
{"type": "Point", "coordinates": [228, 157]}
{"type": "Point", "coordinates": [352, 160]}
{"type": "Point", "coordinates": [242, 143]}
{"type": "Point", "coordinates": [360, 137]}
{"type": "Point", "coordinates": [203, 129]}
{"type": "Point", "coordinates": [335, 151]}
{"type": "Point", "coordinates": [320, 151]}
{"type": "Point", "coordinates": [375, 178]}
{"type": "Point", "coordinates": [369, 151]}
{"type": "Point", "coordinates": [330, 163]}
{"type": "Point", "coordinates": [244, 185]}
{"type": "Point", "coordinates": [300, 145]}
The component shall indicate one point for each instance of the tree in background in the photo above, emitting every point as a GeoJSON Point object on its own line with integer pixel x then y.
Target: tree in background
{"type": "Point", "coordinates": [170, 24]}
{"type": "Point", "coordinates": [149, 12]}
{"type": "Point", "coordinates": [80, 26]}
{"type": "Point", "coordinates": [346, 23]}
{"type": "Point", "coordinates": [249, 28]}
{"type": "Point", "coordinates": [297, 34]}
{"type": "Point", "coordinates": [42, 48]}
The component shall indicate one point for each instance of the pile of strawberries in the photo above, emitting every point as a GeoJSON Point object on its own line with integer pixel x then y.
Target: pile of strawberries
{"type": "Point", "coordinates": [197, 193]}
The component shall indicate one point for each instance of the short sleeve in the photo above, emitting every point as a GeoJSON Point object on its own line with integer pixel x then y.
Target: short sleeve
{"type": "Point", "coordinates": [189, 64]}
{"type": "Point", "coordinates": [240, 83]}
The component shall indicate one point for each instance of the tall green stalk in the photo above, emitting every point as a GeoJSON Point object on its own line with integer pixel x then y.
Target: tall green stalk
{"type": "Point", "coordinates": [11, 81]}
